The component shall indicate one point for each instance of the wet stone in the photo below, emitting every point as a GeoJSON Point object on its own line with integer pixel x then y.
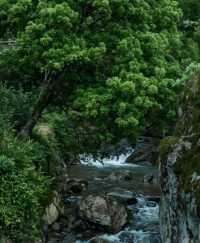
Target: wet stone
{"type": "Point", "coordinates": [104, 212]}
{"type": "Point", "coordinates": [125, 197]}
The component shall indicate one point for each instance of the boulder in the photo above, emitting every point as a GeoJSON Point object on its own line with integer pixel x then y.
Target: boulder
{"type": "Point", "coordinates": [54, 210]}
{"type": "Point", "coordinates": [145, 151]}
{"type": "Point", "coordinates": [151, 178]}
{"type": "Point", "coordinates": [104, 212]}
{"type": "Point", "coordinates": [76, 186]}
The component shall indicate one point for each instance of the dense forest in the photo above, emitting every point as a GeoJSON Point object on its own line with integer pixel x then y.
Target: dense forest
{"type": "Point", "coordinates": [77, 77]}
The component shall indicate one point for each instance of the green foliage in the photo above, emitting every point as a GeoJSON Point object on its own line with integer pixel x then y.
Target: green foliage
{"type": "Point", "coordinates": [116, 59]}
{"type": "Point", "coordinates": [14, 16]}
{"type": "Point", "coordinates": [191, 9]}
{"type": "Point", "coordinates": [190, 27]}
{"type": "Point", "coordinates": [166, 146]}
{"type": "Point", "coordinates": [69, 138]}
{"type": "Point", "coordinates": [15, 106]}
{"type": "Point", "coordinates": [23, 187]}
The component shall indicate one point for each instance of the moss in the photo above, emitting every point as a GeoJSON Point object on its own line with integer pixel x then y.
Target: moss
{"type": "Point", "coordinates": [188, 130]}
{"type": "Point", "coordinates": [188, 164]}
{"type": "Point", "coordinates": [166, 145]}
{"type": "Point", "coordinates": [189, 126]}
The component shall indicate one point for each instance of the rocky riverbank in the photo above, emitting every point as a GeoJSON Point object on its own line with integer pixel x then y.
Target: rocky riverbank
{"type": "Point", "coordinates": [106, 203]}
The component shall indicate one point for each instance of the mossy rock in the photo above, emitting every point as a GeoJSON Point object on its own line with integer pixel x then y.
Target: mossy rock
{"type": "Point", "coordinates": [188, 131]}
{"type": "Point", "coordinates": [166, 145]}
{"type": "Point", "coordinates": [186, 139]}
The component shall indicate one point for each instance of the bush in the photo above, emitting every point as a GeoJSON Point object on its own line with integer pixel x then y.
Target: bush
{"type": "Point", "coordinates": [15, 106]}
{"type": "Point", "coordinates": [23, 186]}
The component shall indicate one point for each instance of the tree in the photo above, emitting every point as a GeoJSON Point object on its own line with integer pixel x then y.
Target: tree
{"type": "Point", "coordinates": [190, 26]}
{"type": "Point", "coordinates": [115, 60]}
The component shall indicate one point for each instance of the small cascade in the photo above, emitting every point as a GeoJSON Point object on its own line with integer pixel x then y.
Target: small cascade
{"type": "Point", "coordinates": [115, 161]}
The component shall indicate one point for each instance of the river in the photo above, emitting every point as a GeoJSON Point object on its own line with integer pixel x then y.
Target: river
{"type": "Point", "coordinates": [143, 226]}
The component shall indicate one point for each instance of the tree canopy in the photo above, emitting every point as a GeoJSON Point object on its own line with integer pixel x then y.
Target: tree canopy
{"type": "Point", "coordinates": [115, 60]}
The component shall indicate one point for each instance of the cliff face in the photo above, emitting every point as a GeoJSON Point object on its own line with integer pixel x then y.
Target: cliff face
{"type": "Point", "coordinates": [180, 172]}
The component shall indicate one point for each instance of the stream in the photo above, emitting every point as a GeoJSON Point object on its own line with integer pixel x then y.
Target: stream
{"type": "Point", "coordinates": [143, 226]}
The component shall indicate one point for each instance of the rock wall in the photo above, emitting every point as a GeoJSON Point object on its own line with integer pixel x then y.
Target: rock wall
{"type": "Point", "coordinates": [180, 172]}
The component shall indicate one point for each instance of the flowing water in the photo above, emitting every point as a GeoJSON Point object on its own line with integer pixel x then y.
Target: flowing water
{"type": "Point", "coordinates": [144, 224]}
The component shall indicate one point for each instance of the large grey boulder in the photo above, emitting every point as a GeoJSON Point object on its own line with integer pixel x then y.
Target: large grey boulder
{"type": "Point", "coordinates": [103, 211]}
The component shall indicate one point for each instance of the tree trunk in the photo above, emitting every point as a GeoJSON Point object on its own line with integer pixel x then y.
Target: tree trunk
{"type": "Point", "coordinates": [42, 102]}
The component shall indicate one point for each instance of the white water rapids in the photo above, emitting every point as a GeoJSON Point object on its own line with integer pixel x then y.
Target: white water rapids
{"type": "Point", "coordinates": [115, 161]}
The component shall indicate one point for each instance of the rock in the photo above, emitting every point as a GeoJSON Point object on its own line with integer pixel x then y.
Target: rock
{"type": "Point", "coordinates": [76, 186]}
{"type": "Point", "coordinates": [55, 227]}
{"type": "Point", "coordinates": [125, 197]}
{"type": "Point", "coordinates": [52, 214]}
{"type": "Point", "coordinates": [54, 210]}
{"type": "Point", "coordinates": [69, 238]}
{"type": "Point", "coordinates": [120, 175]}
{"type": "Point", "coordinates": [103, 211]}
{"type": "Point", "coordinates": [180, 170]}
{"type": "Point", "coordinates": [100, 240]}
{"type": "Point", "coordinates": [61, 179]}
{"type": "Point", "coordinates": [151, 179]}
{"type": "Point", "coordinates": [145, 151]}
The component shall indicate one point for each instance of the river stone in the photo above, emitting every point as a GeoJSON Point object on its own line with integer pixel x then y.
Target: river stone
{"type": "Point", "coordinates": [151, 178]}
{"type": "Point", "coordinates": [103, 211]}
{"type": "Point", "coordinates": [125, 197]}
{"type": "Point", "coordinates": [76, 186]}
{"type": "Point", "coordinates": [69, 238]}
{"type": "Point", "coordinates": [145, 151]}
{"type": "Point", "coordinates": [100, 240]}
{"type": "Point", "coordinates": [55, 226]}
{"type": "Point", "coordinates": [120, 175]}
